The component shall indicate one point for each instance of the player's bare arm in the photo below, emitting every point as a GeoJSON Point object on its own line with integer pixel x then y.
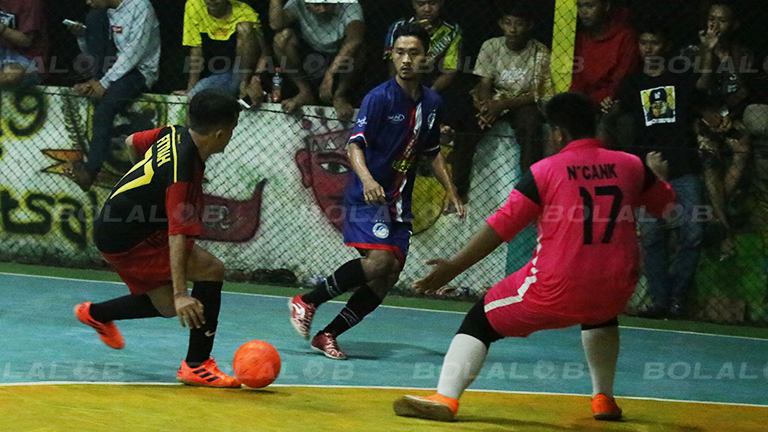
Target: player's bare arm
{"type": "Point", "coordinates": [249, 52]}
{"type": "Point", "coordinates": [372, 191]}
{"type": "Point", "coordinates": [354, 34]}
{"type": "Point", "coordinates": [441, 174]}
{"type": "Point", "coordinates": [188, 308]}
{"type": "Point", "coordinates": [279, 18]}
{"type": "Point", "coordinates": [132, 153]}
{"type": "Point", "coordinates": [195, 68]}
{"type": "Point", "coordinates": [485, 241]}
{"type": "Point", "coordinates": [658, 165]}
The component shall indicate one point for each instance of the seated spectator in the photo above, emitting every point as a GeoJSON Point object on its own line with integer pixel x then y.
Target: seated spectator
{"type": "Point", "coordinates": [445, 44]}
{"type": "Point", "coordinates": [605, 51]}
{"type": "Point", "coordinates": [226, 44]}
{"type": "Point", "coordinates": [133, 28]}
{"type": "Point", "coordinates": [662, 106]}
{"type": "Point", "coordinates": [23, 43]}
{"type": "Point", "coordinates": [515, 74]}
{"type": "Point", "coordinates": [327, 46]}
{"type": "Point", "coordinates": [723, 65]}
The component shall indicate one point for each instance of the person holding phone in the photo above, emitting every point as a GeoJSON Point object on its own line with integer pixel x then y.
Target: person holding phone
{"type": "Point", "coordinates": [121, 43]}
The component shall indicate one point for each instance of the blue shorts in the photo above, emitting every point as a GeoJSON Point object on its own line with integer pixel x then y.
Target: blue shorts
{"type": "Point", "coordinates": [8, 57]}
{"type": "Point", "coordinates": [372, 228]}
{"type": "Point", "coordinates": [225, 81]}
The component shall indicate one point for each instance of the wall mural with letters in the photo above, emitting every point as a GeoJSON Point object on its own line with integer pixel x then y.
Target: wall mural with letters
{"type": "Point", "coordinates": [273, 199]}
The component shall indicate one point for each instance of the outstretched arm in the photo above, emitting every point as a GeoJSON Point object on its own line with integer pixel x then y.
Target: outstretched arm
{"type": "Point", "coordinates": [480, 245]}
{"type": "Point", "coordinates": [522, 208]}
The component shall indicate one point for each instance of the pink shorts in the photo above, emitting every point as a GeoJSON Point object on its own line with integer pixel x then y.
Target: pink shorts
{"type": "Point", "coordinates": [513, 316]}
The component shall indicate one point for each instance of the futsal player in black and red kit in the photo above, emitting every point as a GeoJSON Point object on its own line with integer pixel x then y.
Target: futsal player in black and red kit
{"type": "Point", "coordinates": [146, 232]}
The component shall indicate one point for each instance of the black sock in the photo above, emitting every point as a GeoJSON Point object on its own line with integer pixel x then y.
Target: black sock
{"type": "Point", "coordinates": [362, 302]}
{"type": "Point", "coordinates": [201, 339]}
{"type": "Point", "coordinates": [123, 308]}
{"type": "Point", "coordinates": [347, 277]}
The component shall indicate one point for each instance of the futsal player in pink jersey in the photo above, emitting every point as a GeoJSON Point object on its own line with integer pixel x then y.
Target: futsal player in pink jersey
{"type": "Point", "coordinates": [584, 268]}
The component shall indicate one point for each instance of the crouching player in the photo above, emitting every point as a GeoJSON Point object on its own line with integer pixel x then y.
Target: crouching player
{"type": "Point", "coordinates": [584, 268]}
{"type": "Point", "coordinates": [145, 232]}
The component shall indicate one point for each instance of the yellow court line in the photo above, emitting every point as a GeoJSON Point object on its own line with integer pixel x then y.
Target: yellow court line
{"type": "Point", "coordinates": [321, 386]}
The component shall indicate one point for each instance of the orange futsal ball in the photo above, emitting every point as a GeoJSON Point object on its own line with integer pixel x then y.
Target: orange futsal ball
{"type": "Point", "coordinates": [256, 364]}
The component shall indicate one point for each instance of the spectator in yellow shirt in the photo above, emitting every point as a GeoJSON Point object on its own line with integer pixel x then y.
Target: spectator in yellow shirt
{"type": "Point", "coordinates": [226, 44]}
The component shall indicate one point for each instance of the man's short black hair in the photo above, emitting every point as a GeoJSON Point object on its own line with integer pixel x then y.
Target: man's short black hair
{"type": "Point", "coordinates": [414, 30]}
{"type": "Point", "coordinates": [522, 9]}
{"type": "Point", "coordinates": [573, 112]}
{"type": "Point", "coordinates": [730, 4]}
{"type": "Point", "coordinates": [212, 109]}
{"type": "Point", "coordinates": [654, 26]}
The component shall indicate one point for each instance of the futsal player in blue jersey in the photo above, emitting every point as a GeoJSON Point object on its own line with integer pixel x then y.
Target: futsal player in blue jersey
{"type": "Point", "coordinates": [398, 123]}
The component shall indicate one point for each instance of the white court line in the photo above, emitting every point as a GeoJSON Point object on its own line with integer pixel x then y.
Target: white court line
{"type": "Point", "coordinates": [161, 384]}
{"type": "Point", "coordinates": [394, 307]}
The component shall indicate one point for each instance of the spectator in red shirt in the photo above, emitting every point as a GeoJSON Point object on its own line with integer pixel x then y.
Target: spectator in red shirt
{"type": "Point", "coordinates": [606, 50]}
{"type": "Point", "coordinates": [23, 43]}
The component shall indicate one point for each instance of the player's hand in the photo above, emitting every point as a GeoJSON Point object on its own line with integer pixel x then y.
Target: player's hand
{"type": "Point", "coordinates": [373, 192]}
{"type": "Point", "coordinates": [480, 104]}
{"type": "Point", "coordinates": [83, 89]}
{"type": "Point", "coordinates": [326, 89]}
{"type": "Point", "coordinates": [726, 124]}
{"type": "Point", "coordinates": [77, 29]}
{"type": "Point", "coordinates": [712, 118]}
{"type": "Point", "coordinates": [255, 92]}
{"type": "Point", "coordinates": [461, 209]}
{"type": "Point", "coordinates": [442, 273]}
{"type": "Point", "coordinates": [607, 104]}
{"type": "Point", "coordinates": [189, 311]}
{"type": "Point", "coordinates": [180, 92]}
{"type": "Point", "coordinates": [659, 166]}
{"type": "Point", "coordinates": [485, 121]}
{"type": "Point", "coordinates": [447, 134]}
{"type": "Point", "coordinates": [709, 37]}
{"type": "Point", "coordinates": [97, 90]}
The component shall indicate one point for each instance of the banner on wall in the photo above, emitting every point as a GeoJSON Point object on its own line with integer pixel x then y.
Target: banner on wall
{"type": "Point", "coordinates": [273, 199]}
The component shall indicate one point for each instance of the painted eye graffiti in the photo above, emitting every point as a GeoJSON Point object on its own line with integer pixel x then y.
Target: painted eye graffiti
{"type": "Point", "coordinates": [335, 168]}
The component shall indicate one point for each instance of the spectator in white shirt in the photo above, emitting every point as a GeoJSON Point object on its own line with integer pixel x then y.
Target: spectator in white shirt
{"type": "Point", "coordinates": [326, 50]}
{"type": "Point", "coordinates": [133, 28]}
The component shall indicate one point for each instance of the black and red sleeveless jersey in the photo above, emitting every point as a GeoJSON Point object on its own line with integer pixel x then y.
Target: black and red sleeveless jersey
{"type": "Point", "coordinates": [161, 193]}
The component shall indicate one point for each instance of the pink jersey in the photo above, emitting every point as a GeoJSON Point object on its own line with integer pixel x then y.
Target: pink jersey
{"type": "Point", "coordinates": [585, 265]}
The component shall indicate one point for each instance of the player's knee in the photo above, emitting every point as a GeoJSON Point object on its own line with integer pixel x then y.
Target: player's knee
{"type": "Point", "coordinates": [164, 304]}
{"type": "Point", "coordinates": [740, 146]}
{"type": "Point", "coordinates": [381, 266]}
{"type": "Point", "coordinates": [215, 269]}
{"type": "Point", "coordinates": [11, 76]}
{"type": "Point", "coordinates": [166, 310]}
{"type": "Point", "coordinates": [283, 38]}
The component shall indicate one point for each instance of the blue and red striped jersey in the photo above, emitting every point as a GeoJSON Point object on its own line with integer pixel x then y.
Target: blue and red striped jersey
{"type": "Point", "coordinates": [393, 130]}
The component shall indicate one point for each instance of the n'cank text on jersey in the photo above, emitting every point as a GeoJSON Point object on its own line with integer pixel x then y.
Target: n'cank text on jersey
{"type": "Point", "coordinates": [592, 172]}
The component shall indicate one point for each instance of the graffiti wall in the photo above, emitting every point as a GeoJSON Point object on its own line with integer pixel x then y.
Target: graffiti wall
{"type": "Point", "coordinates": [273, 199]}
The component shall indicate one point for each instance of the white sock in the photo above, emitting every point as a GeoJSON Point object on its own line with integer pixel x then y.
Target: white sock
{"type": "Point", "coordinates": [461, 366]}
{"type": "Point", "coordinates": [601, 347]}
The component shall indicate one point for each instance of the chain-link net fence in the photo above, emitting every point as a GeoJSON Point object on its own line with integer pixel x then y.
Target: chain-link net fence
{"type": "Point", "coordinates": [274, 198]}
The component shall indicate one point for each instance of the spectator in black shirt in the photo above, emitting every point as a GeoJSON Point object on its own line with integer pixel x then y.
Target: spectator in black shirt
{"type": "Point", "coordinates": [660, 104]}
